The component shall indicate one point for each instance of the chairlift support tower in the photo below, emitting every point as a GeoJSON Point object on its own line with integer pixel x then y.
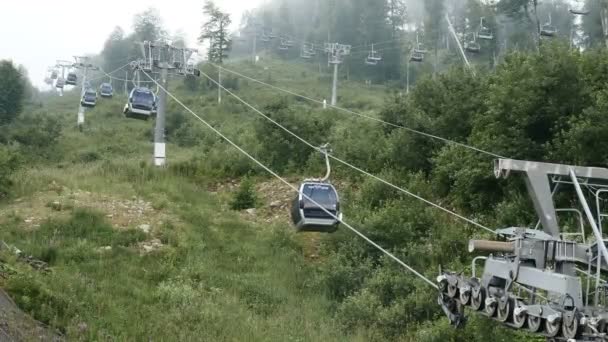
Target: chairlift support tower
{"type": "Point", "coordinates": [169, 60]}
{"type": "Point", "coordinates": [549, 279]}
{"type": "Point", "coordinates": [336, 52]}
{"type": "Point", "coordinates": [63, 65]}
{"type": "Point", "coordinates": [82, 63]}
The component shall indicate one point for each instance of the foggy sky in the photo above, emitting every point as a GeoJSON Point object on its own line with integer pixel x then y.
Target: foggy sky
{"type": "Point", "coordinates": [36, 33]}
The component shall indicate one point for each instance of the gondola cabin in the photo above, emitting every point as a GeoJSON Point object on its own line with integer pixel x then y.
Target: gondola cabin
{"type": "Point", "coordinates": [89, 98]}
{"type": "Point", "coordinates": [106, 90]}
{"type": "Point", "coordinates": [306, 212]}
{"type": "Point", "coordinates": [72, 79]}
{"type": "Point", "coordinates": [60, 83]}
{"type": "Point", "coordinates": [140, 105]}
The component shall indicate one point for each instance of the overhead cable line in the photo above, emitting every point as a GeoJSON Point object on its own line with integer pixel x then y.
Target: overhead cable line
{"type": "Point", "coordinates": [273, 173]}
{"type": "Point", "coordinates": [445, 140]}
{"type": "Point", "coordinates": [347, 163]}
{"type": "Point", "coordinates": [108, 74]}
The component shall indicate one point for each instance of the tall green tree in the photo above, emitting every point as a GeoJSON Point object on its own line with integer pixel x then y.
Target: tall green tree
{"type": "Point", "coordinates": [215, 32]}
{"type": "Point", "coordinates": [12, 92]}
{"type": "Point", "coordinates": [117, 52]}
{"type": "Point", "coordinates": [148, 25]}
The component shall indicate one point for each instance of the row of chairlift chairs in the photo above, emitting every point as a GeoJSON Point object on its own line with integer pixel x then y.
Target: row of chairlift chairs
{"type": "Point", "coordinates": [483, 32]}
{"type": "Point", "coordinates": [549, 30]}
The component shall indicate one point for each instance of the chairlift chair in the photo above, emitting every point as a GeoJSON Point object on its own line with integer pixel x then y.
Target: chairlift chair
{"type": "Point", "coordinates": [416, 56]}
{"type": "Point", "coordinates": [472, 45]}
{"type": "Point", "coordinates": [54, 74]}
{"type": "Point", "coordinates": [373, 55]}
{"type": "Point", "coordinates": [316, 208]}
{"type": "Point", "coordinates": [334, 59]}
{"type": "Point", "coordinates": [369, 61]}
{"type": "Point", "coordinates": [304, 54]}
{"type": "Point", "coordinates": [72, 79]}
{"type": "Point", "coordinates": [548, 29]}
{"type": "Point", "coordinates": [579, 12]}
{"type": "Point", "coordinates": [419, 48]}
{"type": "Point", "coordinates": [140, 104]}
{"type": "Point", "coordinates": [484, 31]}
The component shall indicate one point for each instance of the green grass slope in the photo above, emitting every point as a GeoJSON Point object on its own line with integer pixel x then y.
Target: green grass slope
{"type": "Point", "coordinates": [139, 253]}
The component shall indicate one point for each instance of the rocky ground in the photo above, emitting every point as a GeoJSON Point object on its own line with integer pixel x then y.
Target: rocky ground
{"type": "Point", "coordinates": [17, 326]}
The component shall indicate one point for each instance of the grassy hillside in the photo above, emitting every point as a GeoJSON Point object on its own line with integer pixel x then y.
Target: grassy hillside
{"type": "Point", "coordinates": [137, 252]}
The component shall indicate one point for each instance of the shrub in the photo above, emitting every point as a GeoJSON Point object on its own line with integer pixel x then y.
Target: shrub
{"type": "Point", "coordinates": [245, 197]}
{"type": "Point", "coordinates": [36, 130]}
{"type": "Point", "coordinates": [8, 165]}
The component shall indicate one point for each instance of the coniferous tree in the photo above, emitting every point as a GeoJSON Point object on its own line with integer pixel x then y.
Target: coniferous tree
{"type": "Point", "coordinates": [12, 92]}
{"type": "Point", "coordinates": [215, 32]}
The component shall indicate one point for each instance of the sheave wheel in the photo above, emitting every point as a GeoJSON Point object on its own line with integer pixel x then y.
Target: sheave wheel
{"type": "Point", "coordinates": [534, 323]}
{"type": "Point", "coordinates": [570, 326]}
{"type": "Point", "coordinates": [504, 310]}
{"type": "Point", "coordinates": [465, 297]}
{"type": "Point", "coordinates": [478, 298]}
{"type": "Point", "coordinates": [519, 321]}
{"type": "Point", "coordinates": [452, 291]}
{"type": "Point", "coordinates": [491, 309]}
{"type": "Point", "coordinates": [552, 329]}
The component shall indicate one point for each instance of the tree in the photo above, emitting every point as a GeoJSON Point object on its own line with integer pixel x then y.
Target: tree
{"type": "Point", "coordinates": [148, 25]}
{"type": "Point", "coordinates": [117, 51]}
{"type": "Point", "coordinates": [215, 31]}
{"type": "Point", "coordinates": [12, 92]}
{"type": "Point", "coordinates": [435, 10]}
{"type": "Point", "coordinates": [518, 9]}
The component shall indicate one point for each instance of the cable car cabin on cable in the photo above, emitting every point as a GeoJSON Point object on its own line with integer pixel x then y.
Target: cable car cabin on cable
{"type": "Point", "coordinates": [60, 83]}
{"type": "Point", "coordinates": [308, 216]}
{"type": "Point", "coordinates": [72, 79]}
{"type": "Point", "coordinates": [89, 98]}
{"type": "Point", "coordinates": [105, 90]}
{"type": "Point", "coordinates": [141, 103]}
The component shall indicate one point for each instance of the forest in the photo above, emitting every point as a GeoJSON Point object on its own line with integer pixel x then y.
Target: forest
{"type": "Point", "coordinates": [202, 249]}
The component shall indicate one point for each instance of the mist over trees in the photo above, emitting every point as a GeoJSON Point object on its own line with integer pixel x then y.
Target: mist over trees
{"type": "Point", "coordinates": [393, 26]}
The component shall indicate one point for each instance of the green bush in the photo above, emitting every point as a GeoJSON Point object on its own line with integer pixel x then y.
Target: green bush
{"type": "Point", "coordinates": [36, 131]}
{"type": "Point", "coordinates": [245, 197]}
{"type": "Point", "coordinates": [8, 165]}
